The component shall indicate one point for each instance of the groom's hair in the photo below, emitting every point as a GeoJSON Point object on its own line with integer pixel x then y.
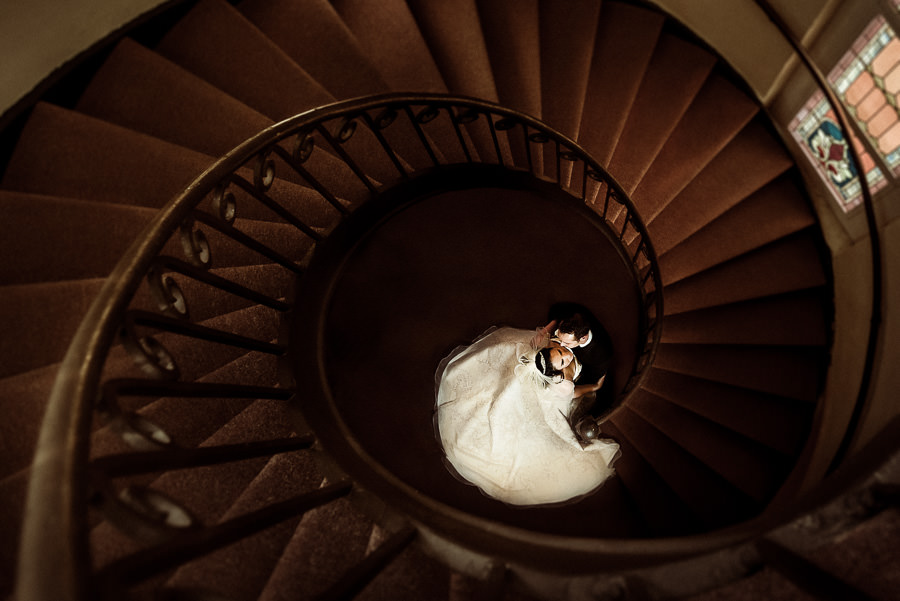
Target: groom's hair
{"type": "Point", "coordinates": [575, 325]}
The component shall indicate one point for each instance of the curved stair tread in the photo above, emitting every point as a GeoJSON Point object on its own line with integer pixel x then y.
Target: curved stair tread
{"type": "Point", "coordinates": [790, 371]}
{"type": "Point", "coordinates": [791, 319]}
{"type": "Point", "coordinates": [510, 28]}
{"type": "Point", "coordinates": [93, 160]}
{"type": "Point", "coordinates": [751, 160]}
{"type": "Point", "coordinates": [190, 421]}
{"type": "Point", "coordinates": [625, 40]}
{"type": "Point", "coordinates": [217, 43]}
{"type": "Point", "coordinates": [664, 513]}
{"type": "Point", "coordinates": [390, 38]}
{"type": "Point", "coordinates": [718, 112]}
{"type": "Point", "coordinates": [787, 265]}
{"type": "Point", "coordinates": [261, 420]}
{"type": "Point", "coordinates": [90, 159]}
{"type": "Point", "coordinates": [674, 77]}
{"type": "Point", "coordinates": [780, 423]}
{"type": "Point", "coordinates": [752, 468]}
{"type": "Point", "coordinates": [40, 319]}
{"type": "Point", "coordinates": [713, 499]}
{"type": "Point", "coordinates": [728, 237]}
{"type": "Point", "coordinates": [411, 576]}
{"type": "Point", "coordinates": [138, 89]}
{"type": "Point", "coordinates": [452, 30]}
{"type": "Point", "coordinates": [74, 226]}
{"type": "Point", "coordinates": [12, 507]}
{"type": "Point", "coordinates": [566, 29]}
{"type": "Point", "coordinates": [242, 569]}
{"type": "Point", "coordinates": [313, 35]}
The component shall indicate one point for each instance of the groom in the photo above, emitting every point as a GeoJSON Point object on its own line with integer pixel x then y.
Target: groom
{"type": "Point", "coordinates": [579, 330]}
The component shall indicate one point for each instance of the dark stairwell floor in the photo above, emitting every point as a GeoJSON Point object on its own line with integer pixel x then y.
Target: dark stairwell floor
{"type": "Point", "coordinates": [436, 275]}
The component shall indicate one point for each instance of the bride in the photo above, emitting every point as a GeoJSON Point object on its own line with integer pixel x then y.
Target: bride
{"type": "Point", "coordinates": [501, 416]}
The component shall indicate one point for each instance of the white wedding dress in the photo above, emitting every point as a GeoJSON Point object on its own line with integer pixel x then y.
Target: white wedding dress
{"type": "Point", "coordinates": [504, 432]}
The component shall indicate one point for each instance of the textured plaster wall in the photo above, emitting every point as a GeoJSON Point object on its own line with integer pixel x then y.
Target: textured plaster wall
{"type": "Point", "coordinates": [39, 36]}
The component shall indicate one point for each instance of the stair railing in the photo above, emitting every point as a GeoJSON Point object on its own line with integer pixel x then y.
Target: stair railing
{"type": "Point", "coordinates": [147, 310]}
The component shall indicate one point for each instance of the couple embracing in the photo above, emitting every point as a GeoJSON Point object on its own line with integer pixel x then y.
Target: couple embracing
{"type": "Point", "coordinates": [505, 404]}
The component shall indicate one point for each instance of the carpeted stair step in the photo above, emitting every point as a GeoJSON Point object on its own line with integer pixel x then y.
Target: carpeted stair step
{"type": "Point", "coordinates": [566, 30]}
{"type": "Point", "coordinates": [787, 265]}
{"type": "Point", "coordinates": [794, 318]}
{"type": "Point", "coordinates": [90, 159]}
{"type": "Point", "coordinates": [411, 576]}
{"type": "Point", "coordinates": [673, 79]}
{"type": "Point", "coordinates": [87, 237]}
{"type": "Point", "coordinates": [140, 90]}
{"type": "Point", "coordinates": [217, 43]}
{"type": "Point", "coordinates": [389, 37]}
{"type": "Point", "coordinates": [713, 499]}
{"type": "Point", "coordinates": [242, 569]}
{"type": "Point", "coordinates": [791, 371]}
{"type": "Point", "coordinates": [12, 507]}
{"type": "Point", "coordinates": [453, 32]}
{"type": "Point", "coordinates": [664, 513]}
{"type": "Point", "coordinates": [207, 492]}
{"type": "Point", "coordinates": [190, 421]}
{"type": "Point", "coordinates": [750, 161]}
{"type": "Point", "coordinates": [41, 319]}
{"type": "Point", "coordinates": [749, 467]}
{"type": "Point", "coordinates": [510, 29]}
{"type": "Point", "coordinates": [328, 541]}
{"type": "Point", "coordinates": [780, 423]}
{"type": "Point", "coordinates": [718, 112]}
{"type": "Point", "coordinates": [728, 236]}
{"type": "Point", "coordinates": [314, 36]}
{"type": "Point", "coordinates": [23, 397]}
{"type": "Point", "coordinates": [625, 41]}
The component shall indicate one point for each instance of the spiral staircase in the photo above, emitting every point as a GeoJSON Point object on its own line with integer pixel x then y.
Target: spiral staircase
{"type": "Point", "coordinates": [709, 438]}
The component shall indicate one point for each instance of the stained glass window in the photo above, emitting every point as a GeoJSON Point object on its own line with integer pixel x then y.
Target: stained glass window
{"type": "Point", "coordinates": [867, 79]}
{"type": "Point", "coordinates": [816, 130]}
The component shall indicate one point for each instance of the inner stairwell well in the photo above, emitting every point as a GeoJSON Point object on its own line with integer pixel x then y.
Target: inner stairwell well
{"type": "Point", "coordinates": [710, 437]}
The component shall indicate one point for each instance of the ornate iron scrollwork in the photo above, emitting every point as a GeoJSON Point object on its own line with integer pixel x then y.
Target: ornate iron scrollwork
{"type": "Point", "coordinates": [303, 147]}
{"type": "Point", "coordinates": [195, 244]}
{"type": "Point", "coordinates": [149, 354]}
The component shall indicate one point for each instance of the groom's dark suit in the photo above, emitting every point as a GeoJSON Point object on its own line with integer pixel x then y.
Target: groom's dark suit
{"type": "Point", "coordinates": [596, 358]}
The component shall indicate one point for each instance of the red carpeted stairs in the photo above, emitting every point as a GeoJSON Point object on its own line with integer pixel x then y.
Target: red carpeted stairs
{"type": "Point", "coordinates": [708, 439]}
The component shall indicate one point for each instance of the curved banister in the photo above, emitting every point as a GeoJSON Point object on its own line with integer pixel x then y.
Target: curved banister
{"type": "Point", "coordinates": [61, 474]}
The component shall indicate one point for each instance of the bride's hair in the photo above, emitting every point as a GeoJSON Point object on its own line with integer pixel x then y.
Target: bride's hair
{"type": "Point", "coordinates": [545, 366]}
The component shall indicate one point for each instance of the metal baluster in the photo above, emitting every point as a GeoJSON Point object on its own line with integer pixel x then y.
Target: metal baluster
{"type": "Point", "coordinates": [385, 120]}
{"type": "Point", "coordinates": [312, 181]}
{"type": "Point", "coordinates": [179, 326]}
{"type": "Point", "coordinates": [251, 243]}
{"type": "Point", "coordinates": [130, 464]}
{"type": "Point", "coordinates": [345, 133]}
{"type": "Point", "coordinates": [422, 137]}
{"type": "Point", "coordinates": [197, 543]}
{"type": "Point", "coordinates": [275, 207]}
